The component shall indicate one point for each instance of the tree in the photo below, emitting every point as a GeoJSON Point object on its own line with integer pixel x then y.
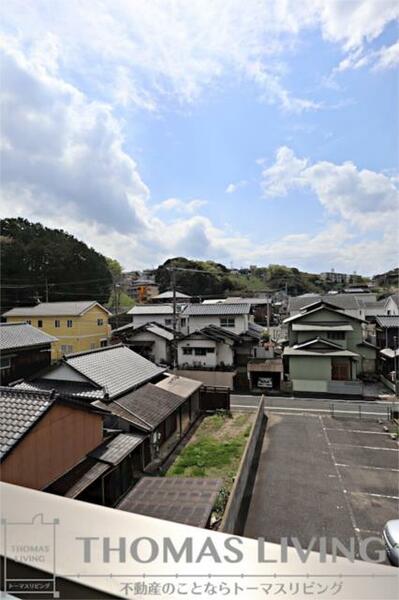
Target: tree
{"type": "Point", "coordinates": [212, 282]}
{"type": "Point", "coordinates": [115, 268]}
{"type": "Point", "coordinates": [39, 263]}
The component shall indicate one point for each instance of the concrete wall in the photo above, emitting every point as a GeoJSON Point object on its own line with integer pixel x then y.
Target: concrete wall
{"type": "Point", "coordinates": [211, 378]}
{"type": "Point", "coordinates": [233, 515]}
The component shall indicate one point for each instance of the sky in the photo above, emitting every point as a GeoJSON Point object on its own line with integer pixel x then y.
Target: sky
{"type": "Point", "coordinates": [257, 132]}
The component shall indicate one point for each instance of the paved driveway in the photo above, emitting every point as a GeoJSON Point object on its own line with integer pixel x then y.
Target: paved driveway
{"type": "Point", "coordinates": [323, 476]}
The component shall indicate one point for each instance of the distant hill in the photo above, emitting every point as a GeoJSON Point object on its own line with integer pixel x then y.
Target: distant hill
{"type": "Point", "coordinates": [207, 279]}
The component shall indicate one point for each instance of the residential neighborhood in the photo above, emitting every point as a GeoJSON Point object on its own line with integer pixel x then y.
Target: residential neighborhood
{"type": "Point", "coordinates": [199, 300]}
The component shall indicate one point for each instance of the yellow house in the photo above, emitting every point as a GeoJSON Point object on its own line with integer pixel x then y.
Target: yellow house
{"type": "Point", "coordinates": [79, 326]}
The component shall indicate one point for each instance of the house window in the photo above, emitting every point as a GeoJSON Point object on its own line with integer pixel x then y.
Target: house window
{"type": "Point", "coordinates": [183, 322]}
{"type": "Point", "coordinates": [200, 351]}
{"type": "Point", "coordinates": [168, 322]}
{"type": "Point", "coordinates": [66, 349]}
{"type": "Point", "coordinates": [40, 323]}
{"type": "Point", "coordinates": [103, 343]}
{"type": "Point", "coordinates": [187, 350]}
{"type": "Point", "coordinates": [227, 322]}
{"type": "Point", "coordinates": [69, 323]}
{"type": "Point", "coordinates": [100, 322]}
{"type": "Point", "coordinates": [336, 335]}
{"type": "Point", "coordinates": [57, 323]}
{"type": "Point", "coordinates": [5, 363]}
{"type": "Point", "coordinates": [29, 321]}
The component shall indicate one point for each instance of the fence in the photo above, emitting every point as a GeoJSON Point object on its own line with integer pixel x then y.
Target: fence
{"type": "Point", "coordinates": [361, 412]}
{"type": "Point", "coordinates": [237, 505]}
{"type": "Point", "coordinates": [214, 398]}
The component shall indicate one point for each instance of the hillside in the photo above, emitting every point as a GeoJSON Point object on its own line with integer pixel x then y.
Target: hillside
{"type": "Point", "coordinates": [39, 264]}
{"type": "Point", "coordinates": [210, 279]}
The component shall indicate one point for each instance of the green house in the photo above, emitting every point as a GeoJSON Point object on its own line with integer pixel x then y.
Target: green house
{"type": "Point", "coordinates": [327, 351]}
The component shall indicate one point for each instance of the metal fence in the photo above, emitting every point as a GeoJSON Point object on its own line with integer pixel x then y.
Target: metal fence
{"type": "Point", "coordinates": [385, 412]}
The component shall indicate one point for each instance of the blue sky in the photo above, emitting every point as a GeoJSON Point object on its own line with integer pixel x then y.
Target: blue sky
{"type": "Point", "coordinates": [248, 133]}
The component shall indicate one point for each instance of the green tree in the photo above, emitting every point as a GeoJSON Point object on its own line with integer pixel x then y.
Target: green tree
{"type": "Point", "coordinates": [39, 263]}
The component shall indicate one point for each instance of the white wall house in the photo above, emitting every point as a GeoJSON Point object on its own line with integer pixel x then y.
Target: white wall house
{"type": "Point", "coordinates": [207, 349]}
{"type": "Point", "coordinates": [155, 313]}
{"type": "Point", "coordinates": [152, 340]}
{"type": "Point", "coordinates": [232, 317]}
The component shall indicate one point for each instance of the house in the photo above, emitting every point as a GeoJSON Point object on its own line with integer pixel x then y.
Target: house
{"type": "Point", "coordinates": [327, 351]}
{"type": "Point", "coordinates": [160, 413]}
{"type": "Point", "coordinates": [107, 472]}
{"type": "Point", "coordinates": [156, 313]}
{"type": "Point", "coordinates": [78, 326]}
{"type": "Point", "coordinates": [105, 373]}
{"type": "Point", "coordinates": [387, 330]}
{"type": "Point", "coordinates": [24, 350]}
{"type": "Point", "coordinates": [334, 277]}
{"type": "Point", "coordinates": [234, 317]}
{"type": "Point", "coordinates": [43, 435]}
{"type": "Point", "coordinates": [209, 348]}
{"type": "Point", "coordinates": [143, 289]}
{"type": "Point", "coordinates": [362, 306]}
{"type": "Point", "coordinates": [261, 308]}
{"type": "Point", "coordinates": [152, 340]}
{"type": "Point", "coordinates": [167, 297]}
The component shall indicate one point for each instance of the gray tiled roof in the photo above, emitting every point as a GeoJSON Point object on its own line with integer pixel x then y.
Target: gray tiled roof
{"type": "Point", "coordinates": [151, 309]}
{"type": "Point", "coordinates": [22, 335]}
{"type": "Point", "coordinates": [341, 301]}
{"type": "Point", "coordinates": [147, 407]}
{"type": "Point", "coordinates": [213, 332]}
{"type": "Point", "coordinates": [48, 309]}
{"type": "Point", "coordinates": [75, 389]}
{"type": "Point", "coordinates": [114, 451]}
{"type": "Point", "coordinates": [169, 295]}
{"type": "Point", "coordinates": [19, 411]}
{"type": "Point", "coordinates": [221, 309]}
{"type": "Point", "coordinates": [156, 328]}
{"type": "Point", "coordinates": [115, 368]}
{"type": "Point", "coordinates": [388, 321]}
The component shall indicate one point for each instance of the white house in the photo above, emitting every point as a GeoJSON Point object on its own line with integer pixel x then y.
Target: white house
{"type": "Point", "coordinates": [152, 340]}
{"type": "Point", "coordinates": [155, 313]}
{"type": "Point", "coordinates": [233, 317]}
{"type": "Point", "coordinates": [210, 348]}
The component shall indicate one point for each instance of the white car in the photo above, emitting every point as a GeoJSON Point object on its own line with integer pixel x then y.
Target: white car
{"type": "Point", "coordinates": [391, 538]}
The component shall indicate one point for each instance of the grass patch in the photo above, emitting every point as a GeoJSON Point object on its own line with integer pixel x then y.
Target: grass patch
{"type": "Point", "coordinates": [215, 450]}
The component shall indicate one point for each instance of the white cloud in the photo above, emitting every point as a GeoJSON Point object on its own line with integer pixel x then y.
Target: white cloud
{"type": "Point", "coordinates": [175, 204]}
{"type": "Point", "coordinates": [388, 57]}
{"type": "Point", "coordinates": [363, 197]}
{"type": "Point", "coordinates": [145, 53]}
{"type": "Point", "coordinates": [233, 187]}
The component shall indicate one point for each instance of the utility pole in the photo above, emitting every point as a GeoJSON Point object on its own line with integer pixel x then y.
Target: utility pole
{"type": "Point", "coordinates": [46, 284]}
{"type": "Point", "coordinates": [174, 321]}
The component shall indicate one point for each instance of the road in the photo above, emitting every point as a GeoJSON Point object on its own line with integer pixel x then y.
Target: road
{"type": "Point", "coordinates": [283, 404]}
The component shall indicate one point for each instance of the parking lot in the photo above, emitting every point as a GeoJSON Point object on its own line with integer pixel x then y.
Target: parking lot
{"type": "Point", "coordinates": [325, 476]}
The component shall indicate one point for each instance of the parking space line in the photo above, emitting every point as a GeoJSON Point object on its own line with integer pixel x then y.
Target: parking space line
{"type": "Point", "coordinates": [340, 479]}
{"type": "Point", "coordinates": [374, 495]}
{"type": "Point", "coordinates": [356, 431]}
{"type": "Point", "coordinates": [365, 447]}
{"type": "Point", "coordinates": [367, 467]}
{"type": "Point", "coordinates": [378, 533]}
